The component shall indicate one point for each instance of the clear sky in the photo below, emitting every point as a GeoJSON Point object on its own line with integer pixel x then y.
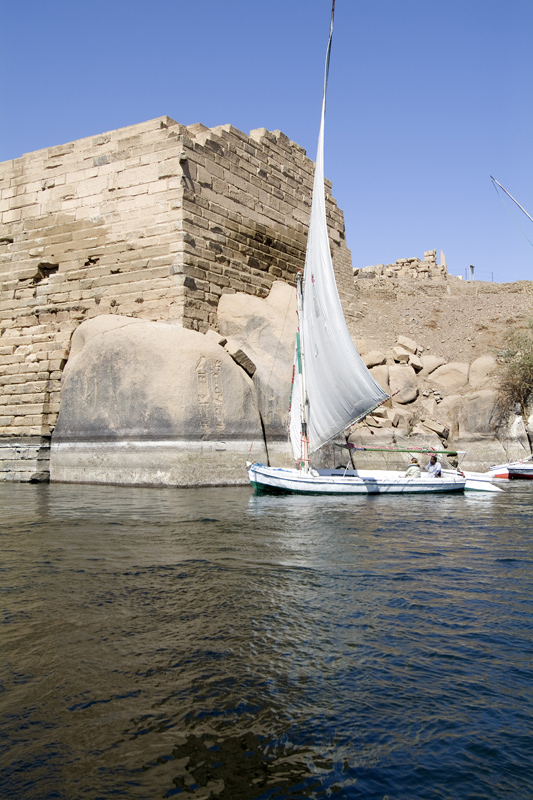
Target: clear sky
{"type": "Point", "coordinates": [426, 100]}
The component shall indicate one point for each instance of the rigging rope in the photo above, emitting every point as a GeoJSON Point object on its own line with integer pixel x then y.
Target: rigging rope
{"type": "Point", "coordinates": [496, 184]}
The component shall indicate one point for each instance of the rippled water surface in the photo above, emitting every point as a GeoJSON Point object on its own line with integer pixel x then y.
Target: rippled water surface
{"type": "Point", "coordinates": [213, 644]}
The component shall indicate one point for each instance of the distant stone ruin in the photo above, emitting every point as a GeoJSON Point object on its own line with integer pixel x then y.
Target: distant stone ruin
{"type": "Point", "coordinates": [414, 268]}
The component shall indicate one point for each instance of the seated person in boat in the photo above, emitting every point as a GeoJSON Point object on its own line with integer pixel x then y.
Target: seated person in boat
{"type": "Point", "coordinates": [434, 468]}
{"type": "Point", "coordinates": [413, 470]}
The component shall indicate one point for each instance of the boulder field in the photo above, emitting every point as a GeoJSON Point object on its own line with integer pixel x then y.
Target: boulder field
{"type": "Point", "coordinates": [153, 403]}
{"type": "Point", "coordinates": [437, 404]}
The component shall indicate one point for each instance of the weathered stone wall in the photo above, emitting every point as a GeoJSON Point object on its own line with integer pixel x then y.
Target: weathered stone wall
{"type": "Point", "coordinates": [25, 458]}
{"type": "Point", "coordinates": [153, 221]}
{"type": "Point", "coordinates": [246, 204]}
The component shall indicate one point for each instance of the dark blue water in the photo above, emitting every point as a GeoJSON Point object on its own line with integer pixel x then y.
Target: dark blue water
{"type": "Point", "coordinates": [213, 644]}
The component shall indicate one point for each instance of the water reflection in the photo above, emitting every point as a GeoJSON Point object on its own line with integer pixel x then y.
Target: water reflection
{"type": "Point", "coordinates": [212, 643]}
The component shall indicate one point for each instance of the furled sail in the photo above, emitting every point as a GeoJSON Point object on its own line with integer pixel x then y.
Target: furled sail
{"type": "Point", "coordinates": [338, 388]}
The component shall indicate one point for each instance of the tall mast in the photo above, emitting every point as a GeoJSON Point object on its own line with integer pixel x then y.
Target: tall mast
{"type": "Point", "coordinates": [304, 401]}
{"type": "Point", "coordinates": [334, 387]}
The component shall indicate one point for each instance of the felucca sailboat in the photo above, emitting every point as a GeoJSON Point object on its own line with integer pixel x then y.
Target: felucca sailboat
{"type": "Point", "coordinates": [332, 387]}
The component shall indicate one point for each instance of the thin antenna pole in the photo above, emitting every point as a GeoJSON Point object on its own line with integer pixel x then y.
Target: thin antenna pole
{"type": "Point", "coordinates": [512, 198]}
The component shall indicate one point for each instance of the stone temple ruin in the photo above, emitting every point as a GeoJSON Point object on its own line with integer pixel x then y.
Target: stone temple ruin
{"type": "Point", "coordinates": [414, 268]}
{"type": "Point", "coordinates": [153, 222]}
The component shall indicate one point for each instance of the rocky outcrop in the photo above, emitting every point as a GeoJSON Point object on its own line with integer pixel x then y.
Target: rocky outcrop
{"type": "Point", "coordinates": [154, 403]}
{"type": "Point", "coordinates": [163, 222]}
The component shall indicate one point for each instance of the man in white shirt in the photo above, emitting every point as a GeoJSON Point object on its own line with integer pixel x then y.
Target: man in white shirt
{"type": "Point", "coordinates": [434, 467]}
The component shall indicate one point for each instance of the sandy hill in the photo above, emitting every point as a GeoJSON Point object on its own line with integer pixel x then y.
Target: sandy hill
{"type": "Point", "coordinates": [455, 319]}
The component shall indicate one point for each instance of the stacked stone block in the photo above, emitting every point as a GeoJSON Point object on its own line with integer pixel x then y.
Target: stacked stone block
{"type": "Point", "coordinates": [154, 221]}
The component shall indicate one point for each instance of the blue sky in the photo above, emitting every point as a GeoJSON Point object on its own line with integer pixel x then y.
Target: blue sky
{"type": "Point", "coordinates": [426, 101]}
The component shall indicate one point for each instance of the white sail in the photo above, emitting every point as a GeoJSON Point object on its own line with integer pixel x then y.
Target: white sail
{"type": "Point", "coordinates": [339, 389]}
{"type": "Point", "coordinates": [331, 385]}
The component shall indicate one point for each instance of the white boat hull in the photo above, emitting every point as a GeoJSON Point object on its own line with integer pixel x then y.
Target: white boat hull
{"type": "Point", "coordinates": [515, 469]}
{"type": "Point", "coordinates": [477, 481]}
{"type": "Point", "coordinates": [281, 481]}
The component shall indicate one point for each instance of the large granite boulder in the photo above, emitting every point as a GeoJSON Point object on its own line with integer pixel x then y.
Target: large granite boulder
{"type": "Point", "coordinates": [451, 376]}
{"type": "Point", "coordinates": [265, 329]}
{"type": "Point", "coordinates": [448, 411]}
{"type": "Point", "coordinates": [430, 363]}
{"type": "Point", "coordinates": [150, 402]}
{"type": "Point", "coordinates": [476, 417]}
{"type": "Point", "coordinates": [478, 432]}
{"type": "Point", "coordinates": [481, 370]}
{"type": "Point", "coordinates": [402, 382]}
{"type": "Point", "coordinates": [374, 358]}
{"type": "Point", "coordinates": [381, 375]}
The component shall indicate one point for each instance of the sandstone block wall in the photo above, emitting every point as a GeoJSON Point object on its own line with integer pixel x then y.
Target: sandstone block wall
{"type": "Point", "coordinates": [153, 221]}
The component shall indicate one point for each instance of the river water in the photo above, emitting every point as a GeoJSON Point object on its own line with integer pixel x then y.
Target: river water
{"type": "Point", "coordinates": [208, 643]}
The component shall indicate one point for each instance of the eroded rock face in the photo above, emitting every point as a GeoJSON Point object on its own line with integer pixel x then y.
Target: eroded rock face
{"type": "Point", "coordinates": [127, 378]}
{"type": "Point", "coordinates": [266, 331]}
{"type": "Point", "coordinates": [132, 384]}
